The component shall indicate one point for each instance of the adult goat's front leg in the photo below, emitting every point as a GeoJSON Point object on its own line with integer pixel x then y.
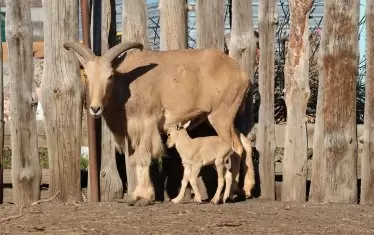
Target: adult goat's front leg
{"type": "Point", "coordinates": [144, 187]}
{"type": "Point", "coordinates": [224, 126]}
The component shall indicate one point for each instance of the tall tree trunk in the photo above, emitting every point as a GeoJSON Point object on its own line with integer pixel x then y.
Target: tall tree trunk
{"type": "Point", "coordinates": [1, 123]}
{"type": "Point", "coordinates": [134, 28]}
{"type": "Point", "coordinates": [173, 35]}
{"type": "Point", "coordinates": [26, 172]}
{"type": "Point", "coordinates": [110, 182]}
{"type": "Point", "coordinates": [242, 48]}
{"type": "Point", "coordinates": [173, 24]}
{"type": "Point", "coordinates": [334, 175]}
{"type": "Point", "coordinates": [210, 24]}
{"type": "Point", "coordinates": [367, 158]}
{"type": "Point", "coordinates": [266, 139]}
{"type": "Point", "coordinates": [62, 94]}
{"type": "Point", "coordinates": [210, 33]}
{"type": "Point", "coordinates": [295, 161]}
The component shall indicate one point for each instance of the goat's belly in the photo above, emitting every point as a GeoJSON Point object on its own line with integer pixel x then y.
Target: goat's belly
{"type": "Point", "coordinates": [173, 117]}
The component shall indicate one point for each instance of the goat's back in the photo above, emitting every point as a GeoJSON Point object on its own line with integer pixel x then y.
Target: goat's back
{"type": "Point", "coordinates": [211, 147]}
{"type": "Point", "coordinates": [183, 83]}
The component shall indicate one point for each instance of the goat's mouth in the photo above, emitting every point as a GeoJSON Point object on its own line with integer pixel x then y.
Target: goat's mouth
{"type": "Point", "coordinates": [96, 115]}
{"type": "Point", "coordinates": [96, 112]}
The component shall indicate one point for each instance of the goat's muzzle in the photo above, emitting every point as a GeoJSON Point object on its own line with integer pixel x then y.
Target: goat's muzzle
{"type": "Point", "coordinates": [96, 111]}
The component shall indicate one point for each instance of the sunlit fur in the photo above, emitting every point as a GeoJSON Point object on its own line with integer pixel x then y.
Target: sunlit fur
{"type": "Point", "coordinates": [198, 152]}
{"type": "Point", "coordinates": [150, 91]}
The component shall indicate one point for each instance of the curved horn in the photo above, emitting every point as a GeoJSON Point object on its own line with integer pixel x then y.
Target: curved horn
{"type": "Point", "coordinates": [80, 49]}
{"type": "Point", "coordinates": [120, 48]}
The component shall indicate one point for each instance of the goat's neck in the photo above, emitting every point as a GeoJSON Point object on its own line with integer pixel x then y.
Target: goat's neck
{"type": "Point", "coordinates": [114, 111]}
{"type": "Point", "coordinates": [183, 145]}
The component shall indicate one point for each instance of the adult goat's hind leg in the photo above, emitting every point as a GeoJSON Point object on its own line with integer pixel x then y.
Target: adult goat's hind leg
{"type": "Point", "coordinates": [223, 124]}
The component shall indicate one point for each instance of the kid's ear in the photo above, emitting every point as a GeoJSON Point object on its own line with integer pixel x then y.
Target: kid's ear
{"type": "Point", "coordinates": [187, 124]}
{"type": "Point", "coordinates": [179, 126]}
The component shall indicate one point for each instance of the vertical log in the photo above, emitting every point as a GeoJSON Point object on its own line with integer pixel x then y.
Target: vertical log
{"type": "Point", "coordinates": [334, 175]}
{"type": "Point", "coordinates": [134, 28]}
{"type": "Point", "coordinates": [367, 158]}
{"type": "Point", "coordinates": [173, 24]}
{"type": "Point", "coordinates": [110, 182]}
{"type": "Point", "coordinates": [26, 172]}
{"type": "Point", "coordinates": [210, 24]}
{"type": "Point", "coordinates": [62, 93]}
{"type": "Point", "coordinates": [210, 33]}
{"type": "Point", "coordinates": [266, 140]}
{"type": "Point", "coordinates": [1, 122]}
{"type": "Point", "coordinates": [296, 96]}
{"type": "Point", "coordinates": [242, 48]}
{"type": "Point", "coordinates": [173, 35]}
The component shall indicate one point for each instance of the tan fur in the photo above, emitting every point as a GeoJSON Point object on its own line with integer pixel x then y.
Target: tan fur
{"type": "Point", "coordinates": [196, 153]}
{"type": "Point", "coordinates": [151, 91]}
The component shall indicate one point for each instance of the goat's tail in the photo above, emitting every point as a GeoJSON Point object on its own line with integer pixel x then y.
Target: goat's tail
{"type": "Point", "coordinates": [249, 173]}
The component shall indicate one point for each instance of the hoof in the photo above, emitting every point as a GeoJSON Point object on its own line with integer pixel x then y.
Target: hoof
{"type": "Point", "coordinates": [198, 201]}
{"type": "Point", "coordinates": [215, 202]}
{"type": "Point", "coordinates": [175, 201]}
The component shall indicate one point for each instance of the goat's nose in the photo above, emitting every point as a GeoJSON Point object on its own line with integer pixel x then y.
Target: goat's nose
{"type": "Point", "coordinates": [95, 109]}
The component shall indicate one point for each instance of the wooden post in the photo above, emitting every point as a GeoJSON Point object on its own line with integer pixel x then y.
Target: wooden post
{"type": "Point", "coordinates": [296, 96]}
{"type": "Point", "coordinates": [210, 30]}
{"type": "Point", "coordinates": [242, 48]}
{"type": "Point", "coordinates": [1, 123]}
{"type": "Point", "coordinates": [26, 172]}
{"type": "Point", "coordinates": [210, 24]}
{"type": "Point", "coordinates": [173, 24]}
{"type": "Point", "coordinates": [266, 139]}
{"type": "Point", "coordinates": [367, 158]}
{"type": "Point", "coordinates": [110, 182]}
{"type": "Point", "coordinates": [334, 176]}
{"type": "Point", "coordinates": [134, 28]}
{"type": "Point", "coordinates": [62, 92]}
{"type": "Point", "coordinates": [173, 35]}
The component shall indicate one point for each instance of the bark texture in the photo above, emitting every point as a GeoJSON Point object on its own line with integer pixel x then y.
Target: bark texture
{"type": "Point", "coordinates": [110, 182]}
{"type": "Point", "coordinates": [334, 176]}
{"type": "Point", "coordinates": [1, 124]}
{"type": "Point", "coordinates": [296, 96]}
{"type": "Point", "coordinates": [135, 22]}
{"type": "Point", "coordinates": [367, 158]}
{"type": "Point", "coordinates": [173, 24]}
{"type": "Point", "coordinates": [26, 172]}
{"type": "Point", "coordinates": [210, 24]}
{"type": "Point", "coordinates": [134, 28]}
{"type": "Point", "coordinates": [266, 141]}
{"type": "Point", "coordinates": [62, 95]}
{"type": "Point", "coordinates": [210, 33]}
{"type": "Point", "coordinates": [242, 48]}
{"type": "Point", "coordinates": [173, 36]}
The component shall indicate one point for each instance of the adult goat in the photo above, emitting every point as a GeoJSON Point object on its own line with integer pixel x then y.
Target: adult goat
{"type": "Point", "coordinates": [149, 91]}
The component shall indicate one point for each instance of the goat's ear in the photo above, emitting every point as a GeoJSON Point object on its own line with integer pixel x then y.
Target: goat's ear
{"type": "Point", "coordinates": [179, 126]}
{"type": "Point", "coordinates": [187, 124]}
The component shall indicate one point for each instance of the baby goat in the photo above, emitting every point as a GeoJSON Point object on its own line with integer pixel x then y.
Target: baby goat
{"type": "Point", "coordinates": [198, 152]}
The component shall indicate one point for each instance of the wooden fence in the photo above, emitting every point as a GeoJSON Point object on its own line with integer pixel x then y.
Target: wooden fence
{"type": "Point", "coordinates": [279, 138]}
{"type": "Point", "coordinates": [334, 152]}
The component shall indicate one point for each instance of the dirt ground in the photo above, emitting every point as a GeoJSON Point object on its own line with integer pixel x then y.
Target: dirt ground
{"type": "Point", "coordinates": [254, 216]}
